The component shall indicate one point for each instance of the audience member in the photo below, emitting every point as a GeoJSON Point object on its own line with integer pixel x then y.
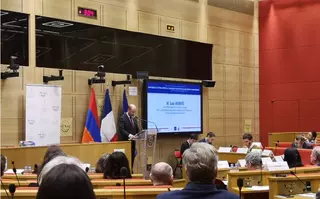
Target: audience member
{"type": "Point", "coordinates": [3, 164]}
{"type": "Point", "coordinates": [301, 142]}
{"type": "Point", "coordinates": [115, 162]}
{"type": "Point", "coordinates": [248, 142]}
{"type": "Point", "coordinates": [209, 138]}
{"type": "Point", "coordinates": [186, 145]}
{"type": "Point", "coordinates": [292, 157]}
{"type": "Point", "coordinates": [101, 164]}
{"type": "Point", "coordinates": [161, 174]}
{"type": "Point", "coordinates": [52, 152]}
{"type": "Point", "coordinates": [200, 162]}
{"type": "Point", "coordinates": [312, 137]}
{"type": "Point", "coordinates": [63, 178]}
{"type": "Point", "coordinates": [318, 194]}
{"type": "Point", "coordinates": [253, 160]}
{"type": "Point", "coordinates": [315, 156]}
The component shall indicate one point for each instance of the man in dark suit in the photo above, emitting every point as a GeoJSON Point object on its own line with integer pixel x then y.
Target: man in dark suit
{"type": "Point", "coordinates": [209, 139]}
{"type": "Point", "coordinates": [128, 128]}
{"type": "Point", "coordinates": [192, 138]}
{"type": "Point", "coordinates": [201, 168]}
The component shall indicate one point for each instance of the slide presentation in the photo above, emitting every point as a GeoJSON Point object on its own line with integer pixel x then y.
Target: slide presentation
{"type": "Point", "coordinates": [174, 106]}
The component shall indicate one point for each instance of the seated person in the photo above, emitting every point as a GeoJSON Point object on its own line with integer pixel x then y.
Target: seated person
{"type": "Point", "coordinates": [63, 178]}
{"type": "Point", "coordinates": [318, 194]}
{"type": "Point", "coordinates": [201, 168]}
{"type": "Point", "coordinates": [312, 137]}
{"type": "Point", "coordinates": [292, 157]}
{"type": "Point", "coordinates": [253, 160]}
{"type": "Point", "coordinates": [161, 174]}
{"type": "Point", "coordinates": [209, 138]}
{"type": "Point", "coordinates": [192, 138]}
{"type": "Point", "coordinates": [100, 167]}
{"type": "Point", "coordinates": [115, 162]}
{"type": "Point", "coordinates": [52, 152]}
{"type": "Point", "coordinates": [248, 142]}
{"type": "Point", "coordinates": [315, 156]}
{"type": "Point", "coordinates": [3, 164]}
{"type": "Point", "coordinates": [300, 142]}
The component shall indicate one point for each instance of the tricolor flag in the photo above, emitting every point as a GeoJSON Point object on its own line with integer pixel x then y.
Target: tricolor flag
{"type": "Point", "coordinates": [124, 102]}
{"type": "Point", "coordinates": [108, 127]}
{"type": "Point", "coordinates": [91, 131]}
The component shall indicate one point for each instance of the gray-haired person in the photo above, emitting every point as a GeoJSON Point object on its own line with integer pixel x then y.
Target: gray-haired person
{"type": "Point", "coordinates": [253, 160]}
{"type": "Point", "coordinates": [161, 174]}
{"type": "Point", "coordinates": [200, 162]}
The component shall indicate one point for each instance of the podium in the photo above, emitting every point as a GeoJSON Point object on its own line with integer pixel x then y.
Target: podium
{"type": "Point", "coordinates": [146, 140]}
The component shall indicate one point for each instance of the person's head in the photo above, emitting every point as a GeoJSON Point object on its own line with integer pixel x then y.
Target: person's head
{"type": "Point", "coordinates": [115, 162]}
{"type": "Point", "coordinates": [299, 141]}
{"type": "Point", "coordinates": [210, 137]}
{"type": "Point", "coordinates": [161, 174]}
{"type": "Point", "coordinates": [52, 152]}
{"type": "Point", "coordinates": [315, 155]}
{"type": "Point", "coordinates": [132, 110]}
{"type": "Point", "coordinates": [253, 160]}
{"type": "Point", "coordinates": [292, 157]}
{"type": "Point", "coordinates": [63, 178]}
{"type": "Point", "coordinates": [192, 138]}
{"type": "Point", "coordinates": [247, 139]}
{"type": "Point", "coordinates": [102, 162]}
{"type": "Point", "coordinates": [312, 135]}
{"type": "Point", "coordinates": [3, 164]}
{"type": "Point", "coordinates": [200, 162]}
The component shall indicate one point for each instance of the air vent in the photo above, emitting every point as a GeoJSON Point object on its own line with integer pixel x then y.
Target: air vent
{"type": "Point", "coordinates": [57, 24]}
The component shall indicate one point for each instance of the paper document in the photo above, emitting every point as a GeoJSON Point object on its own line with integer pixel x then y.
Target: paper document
{"type": "Point", "coordinates": [224, 149]}
{"type": "Point", "coordinates": [308, 195]}
{"type": "Point", "coordinates": [10, 171]}
{"type": "Point", "coordinates": [259, 188]}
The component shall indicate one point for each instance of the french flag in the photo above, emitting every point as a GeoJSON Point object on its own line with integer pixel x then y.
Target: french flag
{"type": "Point", "coordinates": [108, 129]}
{"type": "Point", "coordinates": [91, 130]}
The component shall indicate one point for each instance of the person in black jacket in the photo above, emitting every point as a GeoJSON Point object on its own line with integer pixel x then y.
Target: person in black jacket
{"type": "Point", "coordinates": [192, 138]}
{"type": "Point", "coordinates": [292, 157]}
{"type": "Point", "coordinates": [128, 128]}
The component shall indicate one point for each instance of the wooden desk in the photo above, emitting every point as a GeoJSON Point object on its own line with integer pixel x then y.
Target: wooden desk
{"type": "Point", "coordinates": [136, 193]}
{"type": "Point", "coordinates": [34, 176]}
{"type": "Point", "coordinates": [247, 193]}
{"type": "Point", "coordinates": [291, 185]}
{"type": "Point", "coordinates": [251, 178]}
{"type": "Point", "coordinates": [294, 197]}
{"type": "Point", "coordinates": [87, 153]}
{"type": "Point", "coordinates": [100, 183]}
{"type": "Point", "coordinates": [231, 157]}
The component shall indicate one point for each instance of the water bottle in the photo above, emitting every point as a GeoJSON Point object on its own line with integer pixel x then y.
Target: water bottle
{"type": "Point", "coordinates": [93, 170]}
{"type": "Point", "coordinates": [25, 171]}
{"type": "Point", "coordinates": [29, 169]}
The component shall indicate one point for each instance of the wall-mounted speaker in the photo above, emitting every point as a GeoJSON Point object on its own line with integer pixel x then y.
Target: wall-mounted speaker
{"type": "Point", "coordinates": [141, 75]}
{"type": "Point", "coordinates": [208, 83]}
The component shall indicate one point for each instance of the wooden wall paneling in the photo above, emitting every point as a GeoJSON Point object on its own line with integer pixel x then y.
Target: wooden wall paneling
{"type": "Point", "coordinates": [66, 84]}
{"type": "Point", "coordinates": [247, 92]}
{"type": "Point", "coordinates": [81, 105]}
{"type": "Point", "coordinates": [13, 130]}
{"type": "Point", "coordinates": [232, 38]}
{"type": "Point", "coordinates": [189, 30]}
{"type": "Point", "coordinates": [205, 106]}
{"type": "Point", "coordinates": [114, 17]}
{"type": "Point", "coordinates": [79, 127]}
{"type": "Point", "coordinates": [216, 35]}
{"type": "Point", "coordinates": [217, 16]}
{"type": "Point", "coordinates": [232, 109]}
{"type": "Point", "coordinates": [232, 73]}
{"type": "Point", "coordinates": [220, 141]}
{"type": "Point", "coordinates": [247, 109]}
{"type": "Point", "coordinates": [13, 5]}
{"type": "Point", "coordinates": [216, 109]}
{"type": "Point", "coordinates": [247, 75]}
{"type": "Point", "coordinates": [81, 83]}
{"type": "Point", "coordinates": [12, 105]}
{"type": "Point", "coordinates": [256, 110]}
{"type": "Point", "coordinates": [37, 6]}
{"type": "Point", "coordinates": [232, 91]}
{"type": "Point", "coordinates": [86, 4]}
{"type": "Point", "coordinates": [219, 54]}
{"type": "Point", "coordinates": [217, 91]}
{"type": "Point", "coordinates": [232, 55]}
{"type": "Point", "coordinates": [256, 93]}
{"type": "Point", "coordinates": [67, 106]}
{"type": "Point", "coordinates": [232, 126]}
{"type": "Point", "coordinates": [61, 9]}
{"type": "Point", "coordinates": [256, 75]}
{"type": "Point", "coordinates": [32, 75]}
{"type": "Point", "coordinates": [256, 58]}
{"type": "Point", "coordinates": [216, 126]}
{"type": "Point", "coordinates": [247, 40]}
{"type": "Point", "coordinates": [148, 23]}
{"type": "Point", "coordinates": [218, 72]}
{"type": "Point", "coordinates": [234, 140]}
{"type": "Point", "coordinates": [247, 57]}
{"type": "Point", "coordinates": [164, 21]}
{"type": "Point", "coordinates": [257, 126]}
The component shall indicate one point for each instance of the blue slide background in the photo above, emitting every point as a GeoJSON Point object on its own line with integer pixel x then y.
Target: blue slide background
{"type": "Point", "coordinates": [174, 107]}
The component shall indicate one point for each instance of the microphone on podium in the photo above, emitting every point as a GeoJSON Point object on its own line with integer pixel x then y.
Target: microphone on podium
{"type": "Point", "coordinates": [124, 172]}
{"type": "Point", "coordinates": [12, 190]}
{"type": "Point", "coordinates": [87, 169]}
{"type": "Point", "coordinates": [240, 185]}
{"type": "Point", "coordinates": [147, 121]}
{"type": "Point", "coordinates": [15, 171]}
